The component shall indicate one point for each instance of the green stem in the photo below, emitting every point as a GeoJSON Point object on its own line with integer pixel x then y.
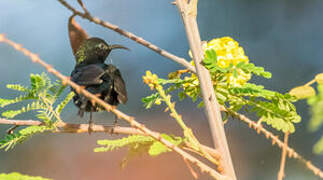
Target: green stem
{"type": "Point", "coordinates": [171, 107]}
{"type": "Point", "coordinates": [188, 133]}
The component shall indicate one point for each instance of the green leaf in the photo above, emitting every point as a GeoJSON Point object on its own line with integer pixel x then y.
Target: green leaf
{"type": "Point", "coordinates": [170, 81]}
{"type": "Point", "coordinates": [251, 68]}
{"type": "Point", "coordinates": [10, 140]}
{"type": "Point", "coordinates": [157, 148]}
{"type": "Point", "coordinates": [318, 147]}
{"type": "Point", "coordinates": [57, 89]}
{"type": "Point", "coordinates": [210, 60]}
{"type": "Point", "coordinates": [235, 73]}
{"type": "Point", "coordinates": [272, 107]}
{"type": "Point", "coordinates": [33, 106]}
{"type": "Point", "coordinates": [200, 105]}
{"type": "Point", "coordinates": [6, 102]}
{"type": "Point", "coordinates": [149, 101]}
{"type": "Point", "coordinates": [18, 176]}
{"type": "Point", "coordinates": [211, 55]}
{"type": "Point", "coordinates": [302, 92]}
{"type": "Point", "coordinates": [134, 140]}
{"type": "Point", "coordinates": [67, 99]}
{"type": "Point", "coordinates": [279, 124]}
{"type": "Point", "coordinates": [17, 87]}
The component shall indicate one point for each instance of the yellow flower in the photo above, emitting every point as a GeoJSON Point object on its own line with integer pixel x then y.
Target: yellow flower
{"type": "Point", "coordinates": [229, 52]}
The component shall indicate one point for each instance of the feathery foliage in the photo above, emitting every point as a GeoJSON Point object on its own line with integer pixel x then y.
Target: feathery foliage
{"type": "Point", "coordinates": [137, 145]}
{"type": "Point", "coordinates": [42, 95]}
{"type": "Point", "coordinates": [10, 140]}
{"type": "Point", "coordinates": [129, 141]}
{"type": "Point", "coordinates": [18, 176]}
{"type": "Point", "coordinates": [230, 71]}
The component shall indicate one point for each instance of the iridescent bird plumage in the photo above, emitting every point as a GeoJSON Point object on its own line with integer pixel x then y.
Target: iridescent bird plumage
{"type": "Point", "coordinates": [103, 80]}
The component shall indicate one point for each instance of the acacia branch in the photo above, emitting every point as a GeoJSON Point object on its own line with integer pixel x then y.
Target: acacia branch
{"type": "Point", "coordinates": [188, 11]}
{"type": "Point", "coordinates": [120, 115]}
{"type": "Point", "coordinates": [129, 35]}
{"type": "Point", "coordinates": [63, 127]}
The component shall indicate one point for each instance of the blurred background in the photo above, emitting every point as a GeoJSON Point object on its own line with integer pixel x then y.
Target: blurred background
{"type": "Point", "coordinates": [284, 36]}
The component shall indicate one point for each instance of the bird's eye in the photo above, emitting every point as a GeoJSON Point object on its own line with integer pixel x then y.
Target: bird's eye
{"type": "Point", "coordinates": [101, 46]}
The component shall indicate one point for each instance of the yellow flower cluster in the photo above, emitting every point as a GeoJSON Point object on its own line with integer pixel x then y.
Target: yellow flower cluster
{"type": "Point", "coordinates": [151, 80]}
{"type": "Point", "coordinates": [229, 52]}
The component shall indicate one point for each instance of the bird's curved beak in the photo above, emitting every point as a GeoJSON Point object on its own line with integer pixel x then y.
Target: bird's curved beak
{"type": "Point", "coordinates": [117, 46]}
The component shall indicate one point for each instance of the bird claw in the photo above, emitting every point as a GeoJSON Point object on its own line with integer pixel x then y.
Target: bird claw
{"type": "Point", "coordinates": [11, 130]}
{"type": "Point", "coordinates": [115, 124]}
{"type": "Point", "coordinates": [90, 129]}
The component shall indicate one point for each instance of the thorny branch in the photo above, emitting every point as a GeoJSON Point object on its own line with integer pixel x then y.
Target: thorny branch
{"type": "Point", "coordinates": [131, 120]}
{"type": "Point", "coordinates": [63, 127]}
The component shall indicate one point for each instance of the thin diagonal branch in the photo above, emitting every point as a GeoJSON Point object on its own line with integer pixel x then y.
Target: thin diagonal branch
{"type": "Point", "coordinates": [281, 173]}
{"type": "Point", "coordinates": [74, 128]}
{"type": "Point", "coordinates": [130, 35]}
{"type": "Point", "coordinates": [194, 174]}
{"type": "Point", "coordinates": [63, 127]}
{"type": "Point", "coordinates": [131, 120]}
{"type": "Point", "coordinates": [188, 12]}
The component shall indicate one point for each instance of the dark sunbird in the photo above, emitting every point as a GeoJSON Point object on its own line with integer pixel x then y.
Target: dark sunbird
{"type": "Point", "coordinates": [103, 80]}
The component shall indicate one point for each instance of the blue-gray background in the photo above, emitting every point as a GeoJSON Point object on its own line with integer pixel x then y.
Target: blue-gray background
{"type": "Point", "coordinates": [284, 36]}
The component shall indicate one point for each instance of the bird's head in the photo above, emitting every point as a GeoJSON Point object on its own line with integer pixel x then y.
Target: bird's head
{"type": "Point", "coordinates": [95, 50]}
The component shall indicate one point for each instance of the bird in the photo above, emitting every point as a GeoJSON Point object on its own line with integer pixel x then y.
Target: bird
{"type": "Point", "coordinates": [94, 75]}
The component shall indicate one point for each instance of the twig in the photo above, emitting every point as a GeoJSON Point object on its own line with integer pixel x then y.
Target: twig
{"type": "Point", "coordinates": [83, 7]}
{"type": "Point", "coordinates": [130, 35]}
{"type": "Point", "coordinates": [74, 128]}
{"type": "Point", "coordinates": [131, 120]}
{"type": "Point", "coordinates": [194, 174]}
{"type": "Point", "coordinates": [281, 173]}
{"type": "Point", "coordinates": [83, 128]}
{"type": "Point", "coordinates": [21, 122]}
{"type": "Point", "coordinates": [188, 12]}
{"type": "Point", "coordinates": [11, 129]}
{"type": "Point", "coordinates": [275, 140]}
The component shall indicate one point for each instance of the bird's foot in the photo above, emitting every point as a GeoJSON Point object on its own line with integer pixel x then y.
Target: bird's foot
{"type": "Point", "coordinates": [11, 130]}
{"type": "Point", "coordinates": [115, 124]}
{"type": "Point", "coordinates": [90, 129]}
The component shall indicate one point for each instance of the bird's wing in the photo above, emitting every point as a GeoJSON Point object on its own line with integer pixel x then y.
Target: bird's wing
{"type": "Point", "coordinates": [88, 75]}
{"type": "Point", "coordinates": [120, 87]}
